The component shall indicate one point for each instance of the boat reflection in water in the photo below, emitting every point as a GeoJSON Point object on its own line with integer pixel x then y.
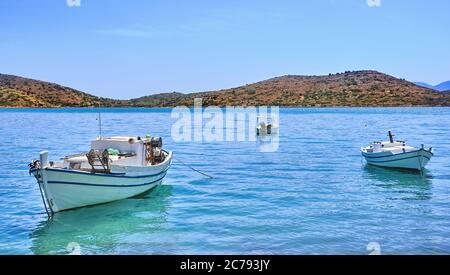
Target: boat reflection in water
{"type": "Point", "coordinates": [268, 143]}
{"type": "Point", "coordinates": [132, 225]}
{"type": "Point", "coordinates": [403, 184]}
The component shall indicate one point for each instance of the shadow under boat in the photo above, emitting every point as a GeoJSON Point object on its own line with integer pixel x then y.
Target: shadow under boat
{"type": "Point", "coordinates": [400, 180]}
{"type": "Point", "coordinates": [101, 227]}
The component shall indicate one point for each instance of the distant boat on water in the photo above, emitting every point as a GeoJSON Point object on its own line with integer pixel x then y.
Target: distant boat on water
{"type": "Point", "coordinates": [266, 125]}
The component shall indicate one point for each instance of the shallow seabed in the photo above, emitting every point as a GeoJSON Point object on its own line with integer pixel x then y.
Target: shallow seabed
{"type": "Point", "coordinates": [313, 196]}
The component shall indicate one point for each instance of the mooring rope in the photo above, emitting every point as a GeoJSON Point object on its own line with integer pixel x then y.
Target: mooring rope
{"type": "Point", "coordinates": [193, 169]}
{"type": "Point", "coordinates": [38, 178]}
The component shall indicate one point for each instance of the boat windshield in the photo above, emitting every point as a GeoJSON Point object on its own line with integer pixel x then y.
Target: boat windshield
{"type": "Point", "coordinates": [265, 119]}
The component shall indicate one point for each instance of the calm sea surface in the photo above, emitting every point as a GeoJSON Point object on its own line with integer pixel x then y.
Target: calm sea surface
{"type": "Point", "coordinates": [312, 196]}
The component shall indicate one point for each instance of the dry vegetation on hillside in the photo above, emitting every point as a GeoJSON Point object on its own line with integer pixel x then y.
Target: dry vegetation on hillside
{"type": "Point", "coordinates": [23, 92]}
{"type": "Point", "coordinates": [359, 88]}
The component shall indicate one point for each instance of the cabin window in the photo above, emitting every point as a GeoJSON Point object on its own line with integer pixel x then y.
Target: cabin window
{"type": "Point", "coordinates": [75, 165]}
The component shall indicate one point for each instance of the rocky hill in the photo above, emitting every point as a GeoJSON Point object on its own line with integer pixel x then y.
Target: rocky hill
{"type": "Point", "coordinates": [358, 88]}
{"type": "Point", "coordinates": [18, 91]}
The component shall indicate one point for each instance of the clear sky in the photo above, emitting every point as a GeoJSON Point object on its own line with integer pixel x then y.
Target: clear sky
{"type": "Point", "coordinates": [131, 48]}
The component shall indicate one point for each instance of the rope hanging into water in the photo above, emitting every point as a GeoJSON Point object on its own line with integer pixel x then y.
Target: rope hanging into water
{"type": "Point", "coordinates": [39, 177]}
{"type": "Point", "coordinates": [43, 200]}
{"type": "Point", "coordinates": [35, 164]}
{"type": "Point", "coordinates": [193, 169]}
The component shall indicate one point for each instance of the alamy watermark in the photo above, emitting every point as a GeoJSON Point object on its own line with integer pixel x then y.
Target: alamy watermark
{"type": "Point", "coordinates": [73, 248]}
{"type": "Point", "coordinates": [73, 3]}
{"type": "Point", "coordinates": [374, 248]}
{"type": "Point", "coordinates": [229, 124]}
{"type": "Point", "coordinates": [374, 3]}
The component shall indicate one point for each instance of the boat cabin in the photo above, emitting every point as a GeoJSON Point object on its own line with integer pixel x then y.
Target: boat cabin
{"type": "Point", "coordinates": [116, 151]}
{"type": "Point", "coordinates": [385, 146]}
{"type": "Point", "coordinates": [266, 125]}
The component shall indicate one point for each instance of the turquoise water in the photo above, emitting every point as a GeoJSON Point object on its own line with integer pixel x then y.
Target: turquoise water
{"type": "Point", "coordinates": [313, 196]}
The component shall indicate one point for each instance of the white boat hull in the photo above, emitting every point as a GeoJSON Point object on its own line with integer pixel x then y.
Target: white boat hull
{"type": "Point", "coordinates": [67, 189]}
{"type": "Point", "coordinates": [262, 131]}
{"type": "Point", "coordinates": [416, 160]}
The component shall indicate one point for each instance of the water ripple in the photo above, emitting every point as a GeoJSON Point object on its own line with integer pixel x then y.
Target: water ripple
{"type": "Point", "coordinates": [312, 196]}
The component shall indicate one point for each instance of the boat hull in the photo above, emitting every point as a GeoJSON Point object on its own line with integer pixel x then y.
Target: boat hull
{"type": "Point", "coordinates": [67, 189]}
{"type": "Point", "coordinates": [416, 160]}
{"type": "Point", "coordinates": [262, 131]}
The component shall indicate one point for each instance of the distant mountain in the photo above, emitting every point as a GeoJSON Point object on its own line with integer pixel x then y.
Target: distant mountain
{"type": "Point", "coordinates": [358, 88]}
{"type": "Point", "coordinates": [18, 91]}
{"type": "Point", "coordinates": [444, 86]}
{"type": "Point", "coordinates": [426, 85]}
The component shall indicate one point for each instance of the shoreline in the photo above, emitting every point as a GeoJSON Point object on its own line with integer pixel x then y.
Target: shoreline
{"type": "Point", "coordinates": [234, 106]}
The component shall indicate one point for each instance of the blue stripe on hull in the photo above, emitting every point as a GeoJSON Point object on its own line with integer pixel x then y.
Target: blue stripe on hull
{"type": "Point", "coordinates": [381, 161]}
{"type": "Point", "coordinates": [105, 185]}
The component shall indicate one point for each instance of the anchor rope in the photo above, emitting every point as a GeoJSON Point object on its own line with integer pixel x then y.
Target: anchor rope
{"type": "Point", "coordinates": [38, 177]}
{"type": "Point", "coordinates": [193, 169]}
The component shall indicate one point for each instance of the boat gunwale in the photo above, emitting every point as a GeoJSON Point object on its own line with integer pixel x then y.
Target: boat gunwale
{"type": "Point", "coordinates": [398, 159]}
{"type": "Point", "coordinates": [115, 175]}
{"type": "Point", "coordinates": [367, 155]}
{"type": "Point", "coordinates": [108, 185]}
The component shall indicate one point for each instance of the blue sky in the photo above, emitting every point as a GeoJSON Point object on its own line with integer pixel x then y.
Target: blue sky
{"type": "Point", "coordinates": [124, 49]}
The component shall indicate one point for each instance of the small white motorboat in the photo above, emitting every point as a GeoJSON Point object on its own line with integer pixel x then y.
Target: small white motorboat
{"type": "Point", "coordinates": [396, 154]}
{"type": "Point", "coordinates": [115, 168]}
{"type": "Point", "coordinates": [266, 125]}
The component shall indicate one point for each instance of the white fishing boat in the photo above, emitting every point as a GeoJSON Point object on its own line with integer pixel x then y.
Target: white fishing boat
{"type": "Point", "coordinates": [266, 125]}
{"type": "Point", "coordinates": [115, 168]}
{"type": "Point", "coordinates": [396, 154]}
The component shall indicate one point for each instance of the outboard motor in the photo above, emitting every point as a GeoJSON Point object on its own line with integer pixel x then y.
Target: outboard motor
{"type": "Point", "coordinates": [156, 152]}
{"type": "Point", "coordinates": [156, 142]}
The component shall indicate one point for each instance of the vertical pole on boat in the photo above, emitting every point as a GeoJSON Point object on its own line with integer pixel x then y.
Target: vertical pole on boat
{"type": "Point", "coordinates": [391, 137]}
{"type": "Point", "coordinates": [99, 123]}
{"type": "Point", "coordinates": [43, 159]}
